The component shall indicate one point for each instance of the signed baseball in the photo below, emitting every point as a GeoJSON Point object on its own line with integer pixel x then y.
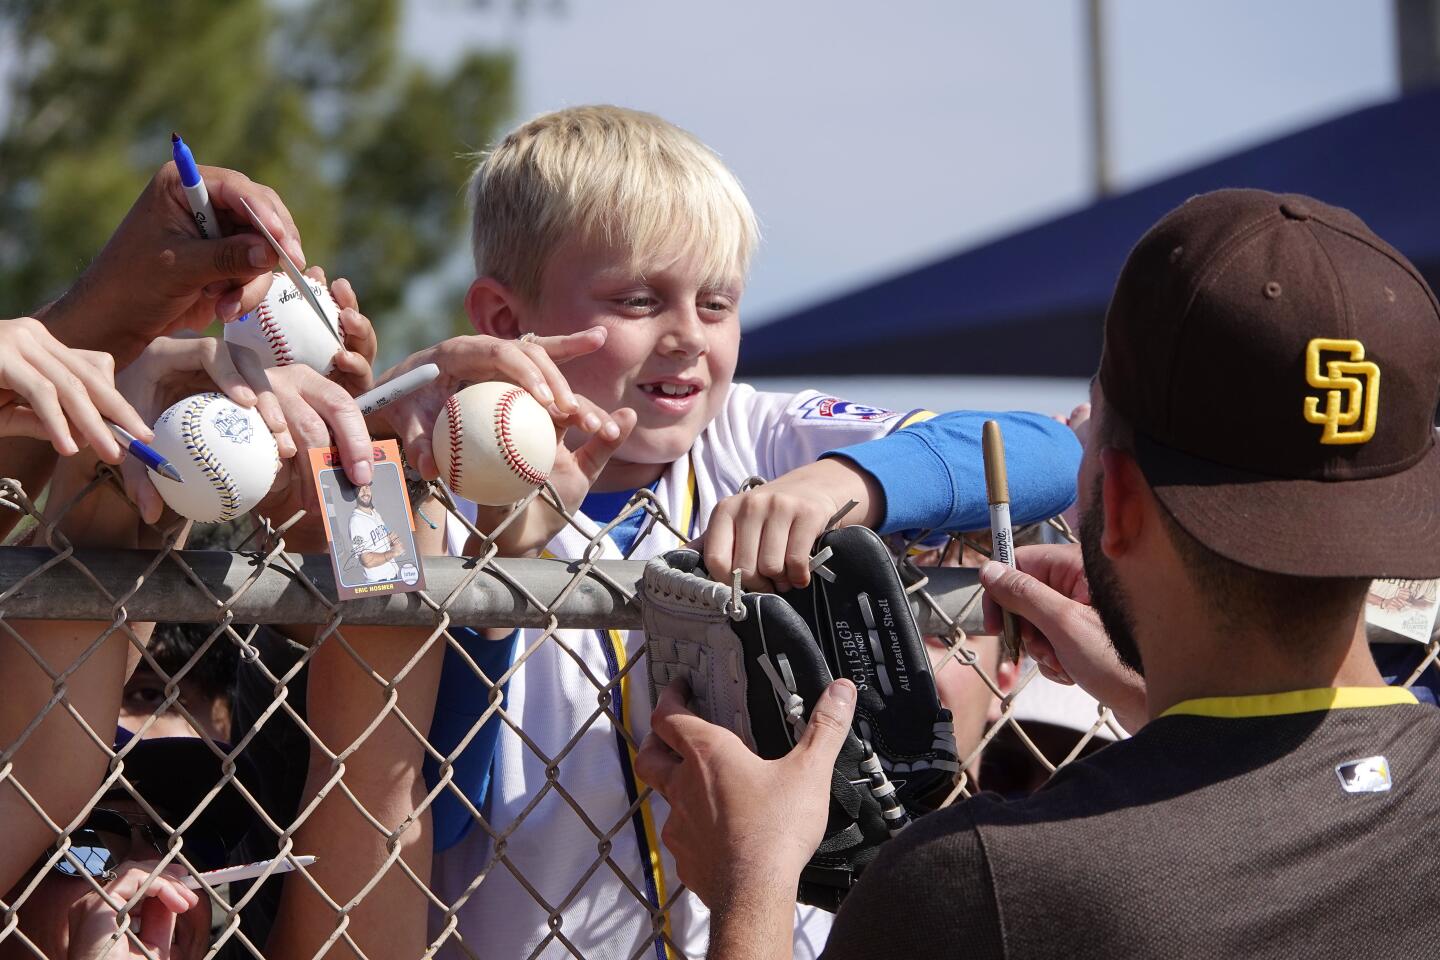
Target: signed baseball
{"type": "Point", "coordinates": [494, 443]}
{"type": "Point", "coordinates": [284, 329]}
{"type": "Point", "coordinates": [225, 453]}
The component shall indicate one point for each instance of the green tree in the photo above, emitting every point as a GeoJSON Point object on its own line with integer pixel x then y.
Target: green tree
{"type": "Point", "coordinates": [312, 97]}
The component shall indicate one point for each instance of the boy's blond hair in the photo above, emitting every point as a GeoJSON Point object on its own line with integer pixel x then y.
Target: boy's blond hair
{"type": "Point", "coordinates": [609, 174]}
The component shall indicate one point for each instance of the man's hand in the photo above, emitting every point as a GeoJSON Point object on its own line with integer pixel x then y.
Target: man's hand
{"type": "Point", "coordinates": [741, 828]}
{"type": "Point", "coordinates": [1059, 628]}
{"type": "Point", "coordinates": [156, 276]}
{"type": "Point", "coordinates": [51, 392]}
{"type": "Point", "coordinates": [769, 531]}
{"type": "Point", "coordinates": [94, 923]}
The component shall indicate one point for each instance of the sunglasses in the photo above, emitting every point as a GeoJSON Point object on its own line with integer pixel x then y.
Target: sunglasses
{"type": "Point", "coordinates": [106, 839]}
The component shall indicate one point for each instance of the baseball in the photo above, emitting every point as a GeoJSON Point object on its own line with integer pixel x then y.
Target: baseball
{"type": "Point", "coordinates": [225, 453]}
{"type": "Point", "coordinates": [283, 329]}
{"type": "Point", "coordinates": [494, 443]}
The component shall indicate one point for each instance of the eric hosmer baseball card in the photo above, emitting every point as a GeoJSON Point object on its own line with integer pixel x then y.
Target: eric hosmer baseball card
{"type": "Point", "coordinates": [371, 529]}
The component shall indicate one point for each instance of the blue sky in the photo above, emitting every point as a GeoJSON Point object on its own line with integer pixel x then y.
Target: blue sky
{"type": "Point", "coordinates": [870, 143]}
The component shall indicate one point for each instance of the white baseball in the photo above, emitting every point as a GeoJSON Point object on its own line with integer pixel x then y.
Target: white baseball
{"type": "Point", "coordinates": [225, 453]}
{"type": "Point", "coordinates": [494, 443]}
{"type": "Point", "coordinates": [283, 329]}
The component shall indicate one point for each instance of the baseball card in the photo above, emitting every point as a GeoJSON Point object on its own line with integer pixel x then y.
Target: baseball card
{"type": "Point", "coordinates": [1404, 607]}
{"type": "Point", "coordinates": [371, 529]}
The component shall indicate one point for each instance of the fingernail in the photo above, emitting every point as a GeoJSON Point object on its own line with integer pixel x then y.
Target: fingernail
{"type": "Point", "coordinates": [611, 431]}
{"type": "Point", "coordinates": [842, 692]}
{"type": "Point", "coordinates": [259, 255]}
{"type": "Point", "coordinates": [543, 394]}
{"type": "Point", "coordinates": [227, 308]}
{"type": "Point", "coordinates": [363, 473]}
{"type": "Point", "coordinates": [246, 396]}
{"type": "Point", "coordinates": [991, 571]}
{"type": "Point", "coordinates": [592, 422]}
{"type": "Point", "coordinates": [68, 447]}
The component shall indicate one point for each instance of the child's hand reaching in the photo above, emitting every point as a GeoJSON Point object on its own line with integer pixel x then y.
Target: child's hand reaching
{"type": "Point", "coordinates": [476, 359]}
{"type": "Point", "coordinates": [768, 532]}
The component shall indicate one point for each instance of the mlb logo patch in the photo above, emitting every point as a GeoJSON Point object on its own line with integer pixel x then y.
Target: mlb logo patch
{"type": "Point", "coordinates": [1371, 775]}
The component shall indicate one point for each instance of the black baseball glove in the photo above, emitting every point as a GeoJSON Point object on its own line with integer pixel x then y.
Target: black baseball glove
{"type": "Point", "coordinates": [758, 668]}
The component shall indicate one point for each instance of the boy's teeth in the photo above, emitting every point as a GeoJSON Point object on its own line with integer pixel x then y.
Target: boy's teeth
{"type": "Point", "coordinates": [673, 389]}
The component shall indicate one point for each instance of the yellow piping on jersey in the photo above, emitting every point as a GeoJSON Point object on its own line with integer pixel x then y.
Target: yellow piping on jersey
{"type": "Point", "coordinates": [917, 416]}
{"type": "Point", "coordinates": [656, 864]}
{"type": "Point", "coordinates": [1293, 701]}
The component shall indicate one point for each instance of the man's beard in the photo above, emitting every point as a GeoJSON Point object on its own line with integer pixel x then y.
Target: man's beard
{"type": "Point", "coordinates": [1106, 594]}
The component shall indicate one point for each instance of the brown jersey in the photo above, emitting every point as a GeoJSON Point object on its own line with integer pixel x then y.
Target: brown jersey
{"type": "Point", "coordinates": [1301, 824]}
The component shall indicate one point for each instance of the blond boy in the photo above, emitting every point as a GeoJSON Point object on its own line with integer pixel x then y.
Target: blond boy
{"type": "Point", "coordinates": [616, 245]}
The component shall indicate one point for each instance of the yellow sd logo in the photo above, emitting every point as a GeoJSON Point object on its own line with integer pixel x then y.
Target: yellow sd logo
{"type": "Point", "coordinates": [1348, 398]}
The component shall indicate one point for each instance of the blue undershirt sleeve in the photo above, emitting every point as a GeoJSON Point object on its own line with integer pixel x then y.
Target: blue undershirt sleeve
{"type": "Point", "coordinates": [459, 703]}
{"type": "Point", "coordinates": [933, 473]}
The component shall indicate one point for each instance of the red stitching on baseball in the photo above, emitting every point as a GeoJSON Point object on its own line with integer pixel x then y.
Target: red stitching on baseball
{"type": "Point", "coordinates": [452, 415]}
{"type": "Point", "coordinates": [507, 446]}
{"type": "Point", "coordinates": [279, 346]}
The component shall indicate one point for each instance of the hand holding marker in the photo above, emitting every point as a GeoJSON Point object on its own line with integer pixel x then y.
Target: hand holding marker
{"type": "Point", "coordinates": [195, 193]}
{"type": "Point", "coordinates": [204, 214]}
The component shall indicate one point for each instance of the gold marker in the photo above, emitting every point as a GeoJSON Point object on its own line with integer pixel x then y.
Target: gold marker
{"type": "Point", "coordinates": [1002, 540]}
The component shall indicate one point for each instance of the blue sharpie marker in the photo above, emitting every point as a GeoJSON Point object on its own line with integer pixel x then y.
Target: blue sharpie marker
{"type": "Point", "coordinates": [146, 454]}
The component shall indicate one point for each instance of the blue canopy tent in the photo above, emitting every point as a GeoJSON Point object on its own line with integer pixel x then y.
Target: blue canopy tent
{"type": "Point", "coordinates": [1032, 303]}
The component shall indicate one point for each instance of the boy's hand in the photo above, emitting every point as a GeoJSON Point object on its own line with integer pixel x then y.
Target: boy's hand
{"type": "Point", "coordinates": [476, 359]}
{"type": "Point", "coordinates": [768, 532]}
{"type": "Point", "coordinates": [572, 476]}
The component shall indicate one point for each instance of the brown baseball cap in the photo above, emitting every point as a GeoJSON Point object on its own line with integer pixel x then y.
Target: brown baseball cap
{"type": "Point", "coordinates": [1280, 364]}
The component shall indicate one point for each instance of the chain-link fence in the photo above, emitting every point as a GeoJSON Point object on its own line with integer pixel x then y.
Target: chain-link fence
{"type": "Point", "coordinates": [202, 743]}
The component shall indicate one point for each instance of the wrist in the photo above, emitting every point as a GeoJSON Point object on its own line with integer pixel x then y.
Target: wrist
{"type": "Point", "coordinates": [753, 884]}
{"type": "Point", "coordinates": [845, 481]}
{"type": "Point", "coordinates": [758, 923]}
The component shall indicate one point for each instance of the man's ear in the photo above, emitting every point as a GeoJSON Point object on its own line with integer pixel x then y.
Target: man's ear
{"type": "Point", "coordinates": [493, 309]}
{"type": "Point", "coordinates": [1007, 672]}
{"type": "Point", "coordinates": [1127, 499]}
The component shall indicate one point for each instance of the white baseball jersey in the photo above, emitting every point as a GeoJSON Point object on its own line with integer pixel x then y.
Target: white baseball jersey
{"type": "Point", "coordinates": [565, 859]}
{"type": "Point", "coordinates": [369, 534]}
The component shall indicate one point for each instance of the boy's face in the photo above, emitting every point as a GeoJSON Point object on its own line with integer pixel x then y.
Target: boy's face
{"type": "Point", "coordinates": [671, 347]}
